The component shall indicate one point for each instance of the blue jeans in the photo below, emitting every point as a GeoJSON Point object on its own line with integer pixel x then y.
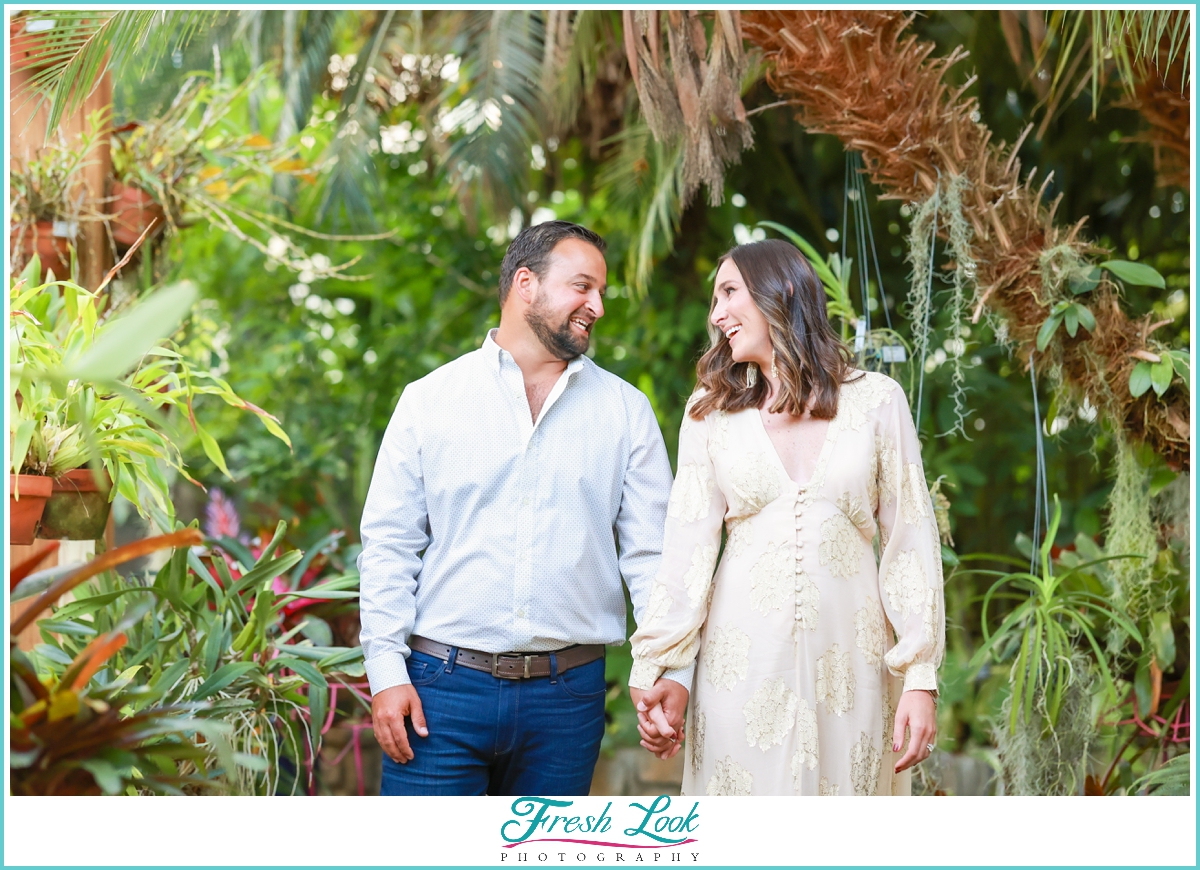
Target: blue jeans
{"type": "Point", "coordinates": [493, 736]}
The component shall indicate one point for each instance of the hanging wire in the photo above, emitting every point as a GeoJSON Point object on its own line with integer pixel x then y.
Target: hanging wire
{"type": "Point", "coordinates": [854, 203]}
{"type": "Point", "coordinates": [858, 198]}
{"type": "Point", "coordinates": [920, 363]}
{"type": "Point", "coordinates": [1041, 498]}
{"type": "Point", "coordinates": [845, 208]}
{"type": "Point", "coordinates": [862, 187]}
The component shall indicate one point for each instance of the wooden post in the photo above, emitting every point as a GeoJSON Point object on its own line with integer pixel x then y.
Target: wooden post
{"type": "Point", "coordinates": [27, 121]}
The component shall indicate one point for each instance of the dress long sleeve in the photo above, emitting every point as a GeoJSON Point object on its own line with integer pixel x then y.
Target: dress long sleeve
{"type": "Point", "coordinates": [910, 566]}
{"type": "Point", "coordinates": [667, 638]}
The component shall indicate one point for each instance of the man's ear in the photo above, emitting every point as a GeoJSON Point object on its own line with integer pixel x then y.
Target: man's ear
{"type": "Point", "coordinates": [525, 284]}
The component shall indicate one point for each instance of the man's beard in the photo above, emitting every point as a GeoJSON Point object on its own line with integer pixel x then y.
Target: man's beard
{"type": "Point", "coordinates": [560, 340]}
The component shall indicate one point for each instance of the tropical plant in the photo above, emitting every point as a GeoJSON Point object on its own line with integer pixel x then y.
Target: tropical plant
{"type": "Point", "coordinates": [1124, 41]}
{"type": "Point", "coordinates": [49, 185]}
{"type": "Point", "coordinates": [1052, 636]}
{"type": "Point", "coordinates": [212, 631]}
{"type": "Point", "coordinates": [48, 195]}
{"type": "Point", "coordinates": [1053, 616]}
{"type": "Point", "coordinates": [73, 731]}
{"type": "Point", "coordinates": [194, 156]}
{"type": "Point", "coordinates": [89, 386]}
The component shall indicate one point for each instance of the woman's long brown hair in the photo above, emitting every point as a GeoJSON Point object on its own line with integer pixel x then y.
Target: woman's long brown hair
{"type": "Point", "coordinates": [812, 361]}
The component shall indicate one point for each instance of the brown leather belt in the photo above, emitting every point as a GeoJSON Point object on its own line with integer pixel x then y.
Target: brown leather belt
{"type": "Point", "coordinates": [511, 666]}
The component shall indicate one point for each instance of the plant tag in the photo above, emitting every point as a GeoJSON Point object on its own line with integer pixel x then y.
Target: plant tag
{"type": "Point", "coordinates": [860, 335]}
{"type": "Point", "coordinates": [893, 353]}
{"type": "Point", "coordinates": [65, 229]}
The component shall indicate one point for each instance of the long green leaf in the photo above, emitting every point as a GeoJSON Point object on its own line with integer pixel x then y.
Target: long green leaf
{"type": "Point", "coordinates": [96, 602]}
{"type": "Point", "coordinates": [223, 677]}
{"type": "Point", "coordinates": [301, 667]}
{"type": "Point", "coordinates": [121, 343]}
{"type": "Point", "coordinates": [266, 571]}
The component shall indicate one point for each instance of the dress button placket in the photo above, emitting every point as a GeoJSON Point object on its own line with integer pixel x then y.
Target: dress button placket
{"type": "Point", "coordinates": [801, 501]}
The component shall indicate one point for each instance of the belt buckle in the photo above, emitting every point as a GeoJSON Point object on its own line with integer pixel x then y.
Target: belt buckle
{"type": "Point", "coordinates": [496, 664]}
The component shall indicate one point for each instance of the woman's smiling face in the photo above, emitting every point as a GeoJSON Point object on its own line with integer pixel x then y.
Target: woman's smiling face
{"type": "Point", "coordinates": [735, 313]}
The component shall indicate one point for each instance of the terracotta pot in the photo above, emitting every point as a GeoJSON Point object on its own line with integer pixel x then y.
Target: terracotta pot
{"type": "Point", "coordinates": [133, 210]}
{"type": "Point", "coordinates": [27, 494]}
{"type": "Point", "coordinates": [77, 509]}
{"type": "Point", "coordinates": [53, 251]}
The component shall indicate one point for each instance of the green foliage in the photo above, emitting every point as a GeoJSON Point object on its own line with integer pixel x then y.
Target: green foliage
{"type": "Point", "coordinates": [210, 633]}
{"type": "Point", "coordinates": [1042, 631]}
{"type": "Point", "coordinates": [96, 383]}
{"type": "Point", "coordinates": [1138, 274]}
{"type": "Point", "coordinates": [1065, 313]}
{"type": "Point", "coordinates": [45, 186]}
{"type": "Point", "coordinates": [1146, 374]}
{"type": "Point", "coordinates": [82, 44]}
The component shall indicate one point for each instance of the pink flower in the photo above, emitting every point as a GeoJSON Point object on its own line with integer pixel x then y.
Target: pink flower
{"type": "Point", "coordinates": [221, 517]}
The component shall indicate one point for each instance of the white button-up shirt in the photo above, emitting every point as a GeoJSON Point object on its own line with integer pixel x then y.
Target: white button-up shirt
{"type": "Point", "coordinates": [485, 530]}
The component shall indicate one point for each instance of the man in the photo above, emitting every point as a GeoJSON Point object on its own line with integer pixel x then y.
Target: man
{"type": "Point", "coordinates": [491, 574]}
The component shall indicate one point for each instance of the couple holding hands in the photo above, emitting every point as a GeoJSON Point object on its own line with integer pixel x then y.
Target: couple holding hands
{"type": "Point", "coordinates": [518, 485]}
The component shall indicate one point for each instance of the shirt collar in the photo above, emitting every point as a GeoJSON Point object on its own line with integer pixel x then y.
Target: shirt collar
{"type": "Point", "coordinates": [494, 353]}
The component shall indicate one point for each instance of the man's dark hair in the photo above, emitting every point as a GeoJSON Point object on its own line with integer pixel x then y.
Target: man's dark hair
{"type": "Point", "coordinates": [532, 246]}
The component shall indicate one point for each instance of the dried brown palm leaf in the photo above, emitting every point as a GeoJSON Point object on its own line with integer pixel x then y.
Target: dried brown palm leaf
{"type": "Point", "coordinates": [857, 74]}
{"type": "Point", "coordinates": [1163, 102]}
{"type": "Point", "coordinates": [694, 92]}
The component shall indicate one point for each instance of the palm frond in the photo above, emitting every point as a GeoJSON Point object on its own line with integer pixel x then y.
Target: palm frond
{"type": "Point", "coordinates": [645, 177]}
{"type": "Point", "coordinates": [1126, 42]}
{"type": "Point", "coordinates": [575, 49]}
{"type": "Point", "coordinates": [82, 44]}
{"type": "Point", "coordinates": [496, 116]}
{"type": "Point", "coordinates": [353, 171]}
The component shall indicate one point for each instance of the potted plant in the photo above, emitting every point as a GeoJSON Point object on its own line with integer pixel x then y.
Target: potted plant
{"type": "Point", "coordinates": [88, 392]}
{"type": "Point", "coordinates": [190, 163]}
{"type": "Point", "coordinates": [49, 200]}
{"type": "Point", "coordinates": [133, 209]}
{"type": "Point", "coordinates": [27, 494]}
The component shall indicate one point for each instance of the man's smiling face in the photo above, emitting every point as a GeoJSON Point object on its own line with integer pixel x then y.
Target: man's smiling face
{"type": "Point", "coordinates": [569, 299]}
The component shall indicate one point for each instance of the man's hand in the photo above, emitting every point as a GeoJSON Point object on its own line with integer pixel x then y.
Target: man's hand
{"type": "Point", "coordinates": [660, 716]}
{"type": "Point", "coordinates": [917, 711]}
{"type": "Point", "coordinates": [388, 710]}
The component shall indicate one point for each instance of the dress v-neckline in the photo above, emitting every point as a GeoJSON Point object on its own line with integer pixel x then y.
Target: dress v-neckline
{"type": "Point", "coordinates": [821, 457]}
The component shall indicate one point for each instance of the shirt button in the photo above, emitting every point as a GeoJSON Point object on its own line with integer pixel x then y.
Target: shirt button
{"type": "Point", "coordinates": [521, 613]}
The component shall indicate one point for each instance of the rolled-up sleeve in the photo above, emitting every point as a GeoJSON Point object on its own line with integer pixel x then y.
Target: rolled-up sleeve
{"type": "Point", "coordinates": [667, 638]}
{"type": "Point", "coordinates": [910, 564]}
{"type": "Point", "coordinates": [394, 533]}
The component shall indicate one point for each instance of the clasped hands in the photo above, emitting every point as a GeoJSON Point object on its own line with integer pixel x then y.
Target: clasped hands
{"type": "Point", "coordinates": [660, 712]}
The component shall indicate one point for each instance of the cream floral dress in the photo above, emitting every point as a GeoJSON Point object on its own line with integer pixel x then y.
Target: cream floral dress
{"type": "Point", "coordinates": [805, 643]}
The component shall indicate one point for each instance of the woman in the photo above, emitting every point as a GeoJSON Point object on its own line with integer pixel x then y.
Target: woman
{"type": "Point", "coordinates": [812, 661]}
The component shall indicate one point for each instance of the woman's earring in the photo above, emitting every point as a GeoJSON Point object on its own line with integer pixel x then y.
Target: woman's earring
{"type": "Point", "coordinates": [751, 375]}
{"type": "Point", "coordinates": [774, 371]}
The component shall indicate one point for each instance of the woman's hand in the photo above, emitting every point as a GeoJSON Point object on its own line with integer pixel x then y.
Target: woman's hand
{"type": "Point", "coordinates": [918, 713]}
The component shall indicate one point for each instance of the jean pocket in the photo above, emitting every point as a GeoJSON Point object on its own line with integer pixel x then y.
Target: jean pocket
{"type": "Point", "coordinates": [424, 673]}
{"type": "Point", "coordinates": [585, 682]}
